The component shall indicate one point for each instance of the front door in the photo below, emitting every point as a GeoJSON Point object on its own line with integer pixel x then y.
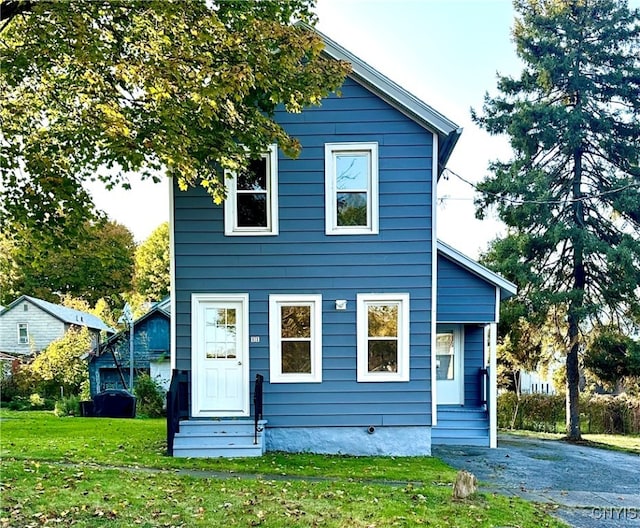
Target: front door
{"type": "Point", "coordinates": [449, 365]}
{"type": "Point", "coordinates": [220, 355]}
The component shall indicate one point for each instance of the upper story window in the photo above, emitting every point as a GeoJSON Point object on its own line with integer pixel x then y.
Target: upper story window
{"type": "Point", "coordinates": [23, 333]}
{"type": "Point", "coordinates": [251, 207]}
{"type": "Point", "coordinates": [383, 336]}
{"type": "Point", "coordinates": [351, 188]}
{"type": "Point", "coordinates": [295, 338]}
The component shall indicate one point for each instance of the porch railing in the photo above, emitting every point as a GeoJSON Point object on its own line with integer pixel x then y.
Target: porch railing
{"type": "Point", "coordinates": [177, 404]}
{"type": "Point", "coordinates": [257, 406]}
{"type": "Point", "coordinates": [484, 386]}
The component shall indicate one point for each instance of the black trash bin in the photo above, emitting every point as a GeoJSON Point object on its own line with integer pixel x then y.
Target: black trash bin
{"type": "Point", "coordinates": [114, 403]}
{"type": "Point", "coordinates": [86, 408]}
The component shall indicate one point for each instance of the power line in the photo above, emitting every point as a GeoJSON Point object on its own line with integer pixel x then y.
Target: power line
{"type": "Point", "coordinates": [514, 201]}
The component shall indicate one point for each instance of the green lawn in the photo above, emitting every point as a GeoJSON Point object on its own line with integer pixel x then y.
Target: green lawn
{"type": "Point", "coordinates": [71, 471]}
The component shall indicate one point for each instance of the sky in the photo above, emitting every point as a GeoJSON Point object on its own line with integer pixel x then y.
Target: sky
{"type": "Point", "coordinates": [445, 52]}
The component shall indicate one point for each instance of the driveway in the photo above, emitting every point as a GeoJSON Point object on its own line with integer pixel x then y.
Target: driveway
{"type": "Point", "coordinates": [588, 487]}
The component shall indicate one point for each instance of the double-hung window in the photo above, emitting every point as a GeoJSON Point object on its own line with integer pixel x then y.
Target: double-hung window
{"type": "Point", "coordinates": [295, 338]}
{"type": "Point", "coordinates": [383, 336]}
{"type": "Point", "coordinates": [351, 188]}
{"type": "Point", "coordinates": [23, 333]}
{"type": "Point", "coordinates": [251, 207]}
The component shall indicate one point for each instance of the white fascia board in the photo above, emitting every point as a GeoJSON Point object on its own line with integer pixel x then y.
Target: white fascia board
{"type": "Point", "coordinates": [507, 288]}
{"type": "Point", "coordinates": [391, 91]}
{"type": "Point", "coordinates": [396, 96]}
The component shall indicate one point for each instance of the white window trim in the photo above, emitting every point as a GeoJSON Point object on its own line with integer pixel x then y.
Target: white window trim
{"type": "Point", "coordinates": [275, 355]}
{"type": "Point", "coordinates": [331, 213]}
{"type": "Point", "coordinates": [230, 207]}
{"type": "Point", "coordinates": [362, 301]}
{"type": "Point", "coordinates": [26, 326]}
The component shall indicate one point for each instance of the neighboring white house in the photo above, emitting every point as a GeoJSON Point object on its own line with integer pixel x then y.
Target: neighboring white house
{"type": "Point", "coordinates": [540, 381]}
{"type": "Point", "coordinates": [537, 382]}
{"type": "Point", "coordinates": [29, 325]}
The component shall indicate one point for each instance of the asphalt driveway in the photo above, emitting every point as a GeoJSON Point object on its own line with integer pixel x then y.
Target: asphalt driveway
{"type": "Point", "coordinates": [588, 487]}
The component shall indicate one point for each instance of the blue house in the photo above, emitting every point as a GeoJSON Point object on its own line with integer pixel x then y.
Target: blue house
{"type": "Point", "coordinates": [323, 276]}
{"type": "Point", "coordinates": [109, 364]}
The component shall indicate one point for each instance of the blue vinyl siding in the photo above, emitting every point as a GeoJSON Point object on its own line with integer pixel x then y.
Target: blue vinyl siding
{"type": "Point", "coordinates": [463, 297]}
{"type": "Point", "coordinates": [473, 362]}
{"type": "Point", "coordinates": [303, 260]}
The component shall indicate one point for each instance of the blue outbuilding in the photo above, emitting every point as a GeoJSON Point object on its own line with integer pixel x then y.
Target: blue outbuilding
{"type": "Point", "coordinates": [109, 366]}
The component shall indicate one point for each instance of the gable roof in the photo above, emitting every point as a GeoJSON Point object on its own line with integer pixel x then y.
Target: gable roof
{"type": "Point", "coordinates": [64, 314]}
{"type": "Point", "coordinates": [156, 309]}
{"type": "Point", "coordinates": [447, 131]}
{"type": "Point", "coordinates": [507, 288]}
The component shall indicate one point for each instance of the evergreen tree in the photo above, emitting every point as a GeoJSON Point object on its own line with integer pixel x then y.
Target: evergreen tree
{"type": "Point", "coordinates": [570, 195]}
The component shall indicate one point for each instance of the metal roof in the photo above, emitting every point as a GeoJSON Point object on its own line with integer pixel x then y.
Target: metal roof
{"type": "Point", "coordinates": [64, 314]}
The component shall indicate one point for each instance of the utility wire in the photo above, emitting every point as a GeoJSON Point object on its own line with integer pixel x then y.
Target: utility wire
{"type": "Point", "coordinates": [543, 202]}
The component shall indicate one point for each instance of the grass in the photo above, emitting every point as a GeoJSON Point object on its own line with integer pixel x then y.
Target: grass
{"type": "Point", "coordinates": [69, 471]}
{"type": "Point", "coordinates": [624, 443]}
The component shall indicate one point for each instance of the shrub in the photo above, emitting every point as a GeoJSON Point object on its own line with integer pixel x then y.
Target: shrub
{"type": "Point", "coordinates": [68, 406]}
{"type": "Point", "coordinates": [36, 400]}
{"type": "Point", "coordinates": [546, 412]}
{"type": "Point", "coordinates": [150, 396]}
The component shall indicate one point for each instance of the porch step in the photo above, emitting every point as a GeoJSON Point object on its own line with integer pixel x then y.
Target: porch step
{"type": "Point", "coordinates": [461, 426]}
{"type": "Point", "coordinates": [218, 438]}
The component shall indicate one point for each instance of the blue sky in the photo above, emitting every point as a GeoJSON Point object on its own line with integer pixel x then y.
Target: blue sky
{"type": "Point", "coordinates": [447, 53]}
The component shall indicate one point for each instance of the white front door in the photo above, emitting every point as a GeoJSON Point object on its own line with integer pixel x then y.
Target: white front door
{"type": "Point", "coordinates": [449, 365]}
{"type": "Point", "coordinates": [220, 355]}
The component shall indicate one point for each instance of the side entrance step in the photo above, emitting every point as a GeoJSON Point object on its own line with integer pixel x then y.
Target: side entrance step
{"type": "Point", "coordinates": [461, 426]}
{"type": "Point", "coordinates": [226, 438]}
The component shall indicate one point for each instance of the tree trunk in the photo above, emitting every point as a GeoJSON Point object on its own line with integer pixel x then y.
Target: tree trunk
{"type": "Point", "coordinates": [573, 381]}
{"type": "Point", "coordinates": [574, 318]}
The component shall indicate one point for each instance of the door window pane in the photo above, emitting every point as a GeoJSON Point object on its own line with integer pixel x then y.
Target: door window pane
{"type": "Point", "coordinates": [445, 353]}
{"type": "Point", "coordinates": [220, 333]}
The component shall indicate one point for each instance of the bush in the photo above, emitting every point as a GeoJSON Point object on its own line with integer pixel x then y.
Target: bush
{"type": "Point", "coordinates": [150, 396]}
{"type": "Point", "coordinates": [18, 403]}
{"type": "Point", "coordinates": [36, 400]}
{"type": "Point", "coordinates": [610, 414]}
{"type": "Point", "coordinates": [546, 412]}
{"type": "Point", "coordinates": [68, 406]}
